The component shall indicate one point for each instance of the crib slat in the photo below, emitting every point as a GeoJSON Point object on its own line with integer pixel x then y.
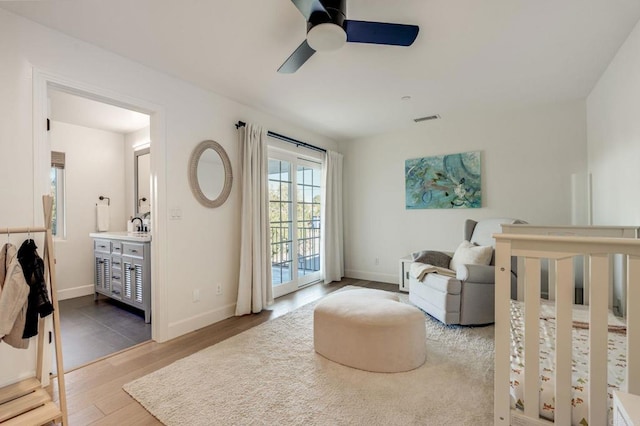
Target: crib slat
{"type": "Point", "coordinates": [532, 338]}
{"type": "Point", "coordinates": [564, 300]}
{"type": "Point", "coordinates": [598, 338]}
{"type": "Point", "coordinates": [502, 362]}
{"type": "Point", "coordinates": [633, 324]}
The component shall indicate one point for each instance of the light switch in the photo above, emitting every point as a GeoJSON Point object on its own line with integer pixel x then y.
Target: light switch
{"type": "Point", "coordinates": [175, 214]}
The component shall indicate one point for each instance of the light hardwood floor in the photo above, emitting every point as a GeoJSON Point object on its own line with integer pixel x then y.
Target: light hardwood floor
{"type": "Point", "coordinates": [94, 392]}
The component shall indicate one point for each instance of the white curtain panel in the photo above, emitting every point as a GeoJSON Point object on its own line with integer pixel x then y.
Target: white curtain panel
{"type": "Point", "coordinates": [254, 289]}
{"type": "Point", "coordinates": [333, 236]}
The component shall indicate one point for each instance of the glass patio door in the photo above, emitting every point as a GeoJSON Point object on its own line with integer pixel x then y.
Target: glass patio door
{"type": "Point", "coordinates": [294, 217]}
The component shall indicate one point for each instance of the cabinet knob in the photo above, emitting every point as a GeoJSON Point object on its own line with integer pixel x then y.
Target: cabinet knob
{"type": "Point", "coordinates": [134, 251]}
{"type": "Point", "coordinates": [132, 269]}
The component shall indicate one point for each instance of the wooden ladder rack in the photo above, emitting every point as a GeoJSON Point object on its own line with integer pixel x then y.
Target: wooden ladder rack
{"type": "Point", "coordinates": [27, 403]}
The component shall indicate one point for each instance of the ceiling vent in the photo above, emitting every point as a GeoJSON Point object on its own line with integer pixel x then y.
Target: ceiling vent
{"type": "Point", "coordinates": [431, 117]}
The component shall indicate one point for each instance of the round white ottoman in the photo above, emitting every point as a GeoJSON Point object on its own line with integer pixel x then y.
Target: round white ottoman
{"type": "Point", "coordinates": [370, 330]}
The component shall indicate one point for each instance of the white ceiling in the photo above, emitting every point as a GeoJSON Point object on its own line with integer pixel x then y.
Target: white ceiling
{"type": "Point", "coordinates": [468, 54]}
{"type": "Point", "coordinates": [85, 112]}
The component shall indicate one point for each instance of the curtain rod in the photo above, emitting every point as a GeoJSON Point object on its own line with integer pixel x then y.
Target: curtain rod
{"type": "Point", "coordinates": [286, 138]}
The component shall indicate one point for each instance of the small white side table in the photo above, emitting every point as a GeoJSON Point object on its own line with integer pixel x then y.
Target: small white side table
{"type": "Point", "coordinates": [405, 264]}
{"type": "Point", "coordinates": [626, 409]}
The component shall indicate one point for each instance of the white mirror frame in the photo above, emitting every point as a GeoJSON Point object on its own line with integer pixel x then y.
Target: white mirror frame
{"type": "Point", "coordinates": [193, 174]}
{"type": "Point", "coordinates": [136, 180]}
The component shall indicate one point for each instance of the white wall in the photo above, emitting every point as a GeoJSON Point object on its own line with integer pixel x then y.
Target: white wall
{"type": "Point", "coordinates": [202, 248]}
{"type": "Point", "coordinates": [613, 134]}
{"type": "Point", "coordinates": [528, 157]}
{"type": "Point", "coordinates": [94, 166]}
{"type": "Point", "coordinates": [613, 122]}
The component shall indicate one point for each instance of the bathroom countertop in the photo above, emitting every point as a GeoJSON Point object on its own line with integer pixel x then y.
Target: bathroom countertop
{"type": "Point", "coordinates": [139, 237]}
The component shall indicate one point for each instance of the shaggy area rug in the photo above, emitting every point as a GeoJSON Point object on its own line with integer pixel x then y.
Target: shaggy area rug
{"type": "Point", "coordinates": [271, 375]}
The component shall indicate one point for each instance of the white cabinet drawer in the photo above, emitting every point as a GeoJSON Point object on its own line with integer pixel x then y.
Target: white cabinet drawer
{"type": "Point", "coordinates": [116, 247]}
{"type": "Point", "coordinates": [103, 246]}
{"type": "Point", "coordinates": [116, 262]}
{"type": "Point", "coordinates": [132, 249]}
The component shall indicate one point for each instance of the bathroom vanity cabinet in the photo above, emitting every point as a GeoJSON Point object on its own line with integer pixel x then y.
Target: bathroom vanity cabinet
{"type": "Point", "coordinates": [123, 268]}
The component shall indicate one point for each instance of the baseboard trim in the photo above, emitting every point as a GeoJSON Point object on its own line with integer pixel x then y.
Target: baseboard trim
{"type": "Point", "coordinates": [371, 276]}
{"type": "Point", "coordinates": [70, 293]}
{"type": "Point", "coordinates": [25, 375]}
{"type": "Point", "coordinates": [204, 319]}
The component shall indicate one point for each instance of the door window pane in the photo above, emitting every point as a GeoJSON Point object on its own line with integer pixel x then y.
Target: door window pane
{"type": "Point", "coordinates": [308, 221]}
{"type": "Point", "coordinates": [280, 221]}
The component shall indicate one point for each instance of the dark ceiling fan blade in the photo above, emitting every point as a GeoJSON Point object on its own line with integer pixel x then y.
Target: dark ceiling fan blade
{"type": "Point", "coordinates": [380, 33]}
{"type": "Point", "coordinates": [297, 59]}
{"type": "Point", "coordinates": [309, 7]}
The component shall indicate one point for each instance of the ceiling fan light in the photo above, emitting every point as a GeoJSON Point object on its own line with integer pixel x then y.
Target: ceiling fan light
{"type": "Point", "coordinates": [325, 37]}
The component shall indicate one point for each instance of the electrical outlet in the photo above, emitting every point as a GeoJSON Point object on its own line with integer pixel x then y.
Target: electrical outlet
{"type": "Point", "coordinates": [196, 295]}
{"type": "Point", "coordinates": [219, 289]}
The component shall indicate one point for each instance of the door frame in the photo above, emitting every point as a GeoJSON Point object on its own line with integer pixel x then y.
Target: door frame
{"type": "Point", "coordinates": [42, 81]}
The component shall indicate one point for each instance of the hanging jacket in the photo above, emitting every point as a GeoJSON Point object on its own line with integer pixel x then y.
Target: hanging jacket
{"type": "Point", "coordinates": [14, 294]}
{"type": "Point", "coordinates": [33, 270]}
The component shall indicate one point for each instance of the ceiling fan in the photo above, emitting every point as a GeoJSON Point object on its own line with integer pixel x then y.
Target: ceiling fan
{"type": "Point", "coordinates": [329, 29]}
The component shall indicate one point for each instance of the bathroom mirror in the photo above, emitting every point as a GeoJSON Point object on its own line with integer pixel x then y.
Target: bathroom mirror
{"type": "Point", "coordinates": [142, 174]}
{"type": "Point", "coordinates": [210, 174]}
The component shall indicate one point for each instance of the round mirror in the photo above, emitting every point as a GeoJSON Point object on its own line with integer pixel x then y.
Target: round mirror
{"type": "Point", "coordinates": [210, 174]}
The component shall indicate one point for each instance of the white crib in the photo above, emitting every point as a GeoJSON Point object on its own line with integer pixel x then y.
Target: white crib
{"type": "Point", "coordinates": [616, 278]}
{"type": "Point", "coordinates": [560, 251]}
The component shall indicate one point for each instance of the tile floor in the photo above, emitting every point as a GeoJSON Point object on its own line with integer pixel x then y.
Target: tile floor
{"type": "Point", "coordinates": [91, 330]}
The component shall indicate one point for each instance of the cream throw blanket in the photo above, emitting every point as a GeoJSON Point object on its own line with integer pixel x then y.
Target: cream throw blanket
{"type": "Point", "coordinates": [419, 270]}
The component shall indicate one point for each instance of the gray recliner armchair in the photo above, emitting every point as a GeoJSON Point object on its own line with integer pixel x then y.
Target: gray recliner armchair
{"type": "Point", "coordinates": [467, 298]}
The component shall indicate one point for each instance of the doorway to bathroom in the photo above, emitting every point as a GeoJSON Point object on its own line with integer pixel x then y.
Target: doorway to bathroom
{"type": "Point", "coordinates": [100, 180]}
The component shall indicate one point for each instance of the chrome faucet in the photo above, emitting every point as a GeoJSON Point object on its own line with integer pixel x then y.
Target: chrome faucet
{"type": "Point", "coordinates": [139, 227]}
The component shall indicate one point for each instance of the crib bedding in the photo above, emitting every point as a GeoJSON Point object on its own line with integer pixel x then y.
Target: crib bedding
{"type": "Point", "coordinates": [580, 377]}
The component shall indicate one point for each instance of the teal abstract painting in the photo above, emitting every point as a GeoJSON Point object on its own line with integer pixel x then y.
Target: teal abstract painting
{"type": "Point", "coordinates": [444, 182]}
